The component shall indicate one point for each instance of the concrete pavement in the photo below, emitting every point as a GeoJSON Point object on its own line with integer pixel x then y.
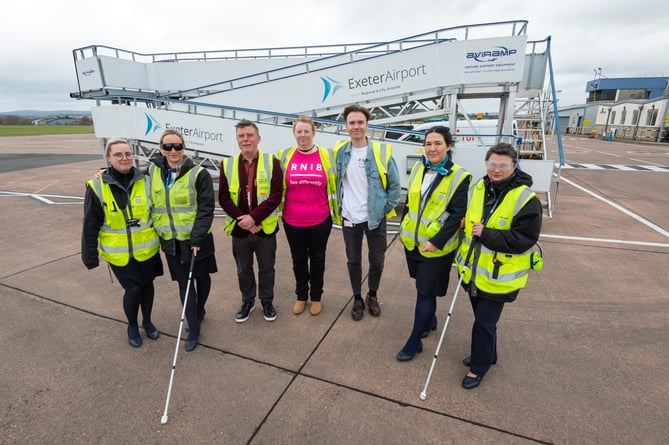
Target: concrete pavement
{"type": "Point", "coordinates": [582, 352]}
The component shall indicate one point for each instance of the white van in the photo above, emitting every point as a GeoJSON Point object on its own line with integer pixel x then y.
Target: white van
{"type": "Point", "coordinates": [480, 133]}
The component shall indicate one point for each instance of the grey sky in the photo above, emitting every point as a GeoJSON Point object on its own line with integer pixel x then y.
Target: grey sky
{"type": "Point", "coordinates": [625, 39]}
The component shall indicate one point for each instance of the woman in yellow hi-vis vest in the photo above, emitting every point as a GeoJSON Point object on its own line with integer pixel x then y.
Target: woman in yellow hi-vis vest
{"type": "Point", "coordinates": [117, 210]}
{"type": "Point", "coordinates": [183, 212]}
{"type": "Point", "coordinates": [436, 204]}
{"type": "Point", "coordinates": [502, 224]}
{"type": "Point", "coordinates": [308, 210]}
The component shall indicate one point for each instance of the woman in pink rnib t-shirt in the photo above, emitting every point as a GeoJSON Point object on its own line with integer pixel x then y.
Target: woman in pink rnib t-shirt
{"type": "Point", "coordinates": [307, 212]}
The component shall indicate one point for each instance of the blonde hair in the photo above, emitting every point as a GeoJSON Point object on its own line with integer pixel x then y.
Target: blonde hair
{"type": "Point", "coordinates": [113, 141]}
{"type": "Point", "coordinates": [306, 120]}
{"type": "Point", "coordinates": [174, 132]}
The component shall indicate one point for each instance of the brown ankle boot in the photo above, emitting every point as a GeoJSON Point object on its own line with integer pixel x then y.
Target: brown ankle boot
{"type": "Point", "coordinates": [299, 306]}
{"type": "Point", "coordinates": [315, 308]}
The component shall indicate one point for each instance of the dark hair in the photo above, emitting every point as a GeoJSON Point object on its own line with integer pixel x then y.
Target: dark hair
{"type": "Point", "coordinates": [505, 149]}
{"type": "Point", "coordinates": [445, 132]}
{"type": "Point", "coordinates": [247, 123]}
{"type": "Point", "coordinates": [355, 108]}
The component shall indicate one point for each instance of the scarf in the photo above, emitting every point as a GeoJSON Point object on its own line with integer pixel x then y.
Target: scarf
{"type": "Point", "coordinates": [441, 168]}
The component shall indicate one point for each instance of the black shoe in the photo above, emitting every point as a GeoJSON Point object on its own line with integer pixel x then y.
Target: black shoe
{"type": "Point", "coordinates": [268, 311]}
{"type": "Point", "coordinates": [134, 339]}
{"type": "Point", "coordinates": [358, 310]}
{"type": "Point", "coordinates": [373, 305]}
{"type": "Point", "coordinates": [434, 328]}
{"type": "Point", "coordinates": [191, 344]}
{"type": "Point", "coordinates": [404, 357]}
{"type": "Point", "coordinates": [151, 330]}
{"type": "Point", "coordinates": [471, 382]}
{"type": "Point", "coordinates": [245, 311]}
{"type": "Point", "coordinates": [467, 361]}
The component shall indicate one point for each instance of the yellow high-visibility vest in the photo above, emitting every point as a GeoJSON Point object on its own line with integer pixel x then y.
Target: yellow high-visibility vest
{"type": "Point", "coordinates": [327, 160]}
{"type": "Point", "coordinates": [120, 241]}
{"type": "Point", "coordinates": [494, 272]}
{"type": "Point", "coordinates": [417, 228]}
{"type": "Point", "coordinates": [382, 154]}
{"type": "Point", "coordinates": [263, 188]}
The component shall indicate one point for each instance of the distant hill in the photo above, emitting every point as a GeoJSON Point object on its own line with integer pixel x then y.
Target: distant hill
{"type": "Point", "coordinates": [39, 114]}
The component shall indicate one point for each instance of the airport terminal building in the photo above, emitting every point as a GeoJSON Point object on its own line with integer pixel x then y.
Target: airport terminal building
{"type": "Point", "coordinates": [632, 108]}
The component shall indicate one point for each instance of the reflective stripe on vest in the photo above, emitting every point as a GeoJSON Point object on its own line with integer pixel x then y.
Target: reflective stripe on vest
{"type": "Point", "coordinates": [494, 272]}
{"type": "Point", "coordinates": [175, 209]}
{"type": "Point", "coordinates": [434, 213]}
{"type": "Point", "coordinates": [327, 160]}
{"type": "Point", "coordinates": [263, 188]}
{"type": "Point", "coordinates": [382, 154]}
{"type": "Point", "coordinates": [118, 242]}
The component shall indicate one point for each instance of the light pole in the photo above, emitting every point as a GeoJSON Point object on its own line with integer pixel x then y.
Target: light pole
{"type": "Point", "coordinates": [606, 124]}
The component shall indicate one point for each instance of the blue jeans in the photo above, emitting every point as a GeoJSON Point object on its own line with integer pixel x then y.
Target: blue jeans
{"type": "Point", "coordinates": [376, 246]}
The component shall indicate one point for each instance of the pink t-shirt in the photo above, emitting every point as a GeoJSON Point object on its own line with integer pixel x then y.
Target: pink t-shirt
{"type": "Point", "coordinates": [306, 202]}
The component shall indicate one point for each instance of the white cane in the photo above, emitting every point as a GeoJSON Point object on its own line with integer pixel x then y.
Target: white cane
{"type": "Point", "coordinates": [423, 395]}
{"type": "Point", "coordinates": [163, 420]}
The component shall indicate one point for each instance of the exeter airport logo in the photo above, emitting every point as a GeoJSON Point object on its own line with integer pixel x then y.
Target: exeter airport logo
{"type": "Point", "coordinates": [330, 87]}
{"type": "Point", "coordinates": [152, 125]}
{"type": "Point", "coordinates": [492, 54]}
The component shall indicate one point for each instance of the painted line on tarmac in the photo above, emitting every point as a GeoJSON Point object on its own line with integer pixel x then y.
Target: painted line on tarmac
{"type": "Point", "coordinates": [639, 218]}
{"type": "Point", "coordinates": [641, 160]}
{"type": "Point", "coordinates": [44, 198]}
{"type": "Point", "coordinates": [605, 240]}
{"type": "Point", "coordinates": [610, 167]}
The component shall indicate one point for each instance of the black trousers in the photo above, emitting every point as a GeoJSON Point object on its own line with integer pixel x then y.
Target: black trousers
{"type": "Point", "coordinates": [264, 249]}
{"type": "Point", "coordinates": [376, 246]}
{"type": "Point", "coordinates": [307, 249]}
{"type": "Point", "coordinates": [484, 333]}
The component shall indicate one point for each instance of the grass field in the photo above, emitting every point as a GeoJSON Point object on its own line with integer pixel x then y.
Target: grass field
{"type": "Point", "coordinates": [32, 130]}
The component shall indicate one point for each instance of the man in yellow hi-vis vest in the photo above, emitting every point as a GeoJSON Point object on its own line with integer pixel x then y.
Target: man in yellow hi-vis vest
{"type": "Point", "coordinates": [250, 191]}
{"type": "Point", "coordinates": [368, 189]}
{"type": "Point", "coordinates": [501, 226]}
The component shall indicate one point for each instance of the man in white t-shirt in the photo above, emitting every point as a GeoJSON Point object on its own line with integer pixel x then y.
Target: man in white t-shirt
{"type": "Point", "coordinates": [368, 188]}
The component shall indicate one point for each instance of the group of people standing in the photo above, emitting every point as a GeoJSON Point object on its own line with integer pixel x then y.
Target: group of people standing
{"type": "Point", "coordinates": [129, 215]}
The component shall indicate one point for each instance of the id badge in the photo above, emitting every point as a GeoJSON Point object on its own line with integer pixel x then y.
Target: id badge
{"type": "Point", "coordinates": [348, 223]}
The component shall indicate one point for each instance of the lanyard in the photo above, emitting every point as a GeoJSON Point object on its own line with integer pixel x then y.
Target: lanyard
{"type": "Point", "coordinates": [250, 178]}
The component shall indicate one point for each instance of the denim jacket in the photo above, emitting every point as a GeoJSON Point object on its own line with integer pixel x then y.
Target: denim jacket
{"type": "Point", "coordinates": [379, 200]}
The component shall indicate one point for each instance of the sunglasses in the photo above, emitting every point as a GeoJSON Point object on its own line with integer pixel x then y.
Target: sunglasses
{"type": "Point", "coordinates": [177, 147]}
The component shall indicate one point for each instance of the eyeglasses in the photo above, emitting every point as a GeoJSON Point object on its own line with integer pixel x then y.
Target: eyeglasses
{"type": "Point", "coordinates": [177, 147]}
{"type": "Point", "coordinates": [120, 155]}
{"type": "Point", "coordinates": [499, 165]}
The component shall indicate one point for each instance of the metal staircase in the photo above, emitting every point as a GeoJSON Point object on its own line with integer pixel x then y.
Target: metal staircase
{"type": "Point", "coordinates": [205, 93]}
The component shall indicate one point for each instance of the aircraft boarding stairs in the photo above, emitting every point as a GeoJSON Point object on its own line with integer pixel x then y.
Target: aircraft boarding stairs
{"type": "Point", "coordinates": [416, 77]}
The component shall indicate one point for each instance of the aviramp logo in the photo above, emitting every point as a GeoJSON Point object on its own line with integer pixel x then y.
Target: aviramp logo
{"type": "Point", "coordinates": [330, 87]}
{"type": "Point", "coordinates": [152, 125]}
{"type": "Point", "coordinates": [491, 55]}
{"type": "Point", "coordinates": [88, 72]}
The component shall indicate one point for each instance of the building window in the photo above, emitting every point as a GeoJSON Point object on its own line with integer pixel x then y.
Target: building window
{"type": "Point", "coordinates": [623, 115]}
{"type": "Point", "coordinates": [612, 119]}
{"type": "Point", "coordinates": [635, 117]}
{"type": "Point", "coordinates": [651, 117]}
